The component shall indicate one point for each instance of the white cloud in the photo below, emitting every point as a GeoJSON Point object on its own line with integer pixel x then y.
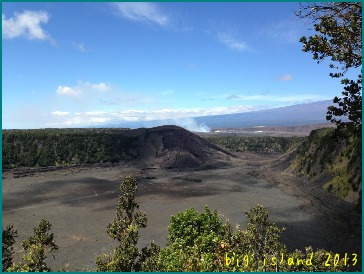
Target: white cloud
{"type": "Point", "coordinates": [287, 31]}
{"type": "Point", "coordinates": [60, 113]}
{"type": "Point", "coordinates": [285, 77]}
{"type": "Point", "coordinates": [98, 120]}
{"type": "Point", "coordinates": [230, 41]}
{"type": "Point", "coordinates": [81, 88]}
{"type": "Point", "coordinates": [64, 90]}
{"type": "Point", "coordinates": [79, 46]}
{"type": "Point", "coordinates": [142, 12]}
{"type": "Point", "coordinates": [300, 98]}
{"type": "Point", "coordinates": [246, 97]}
{"type": "Point", "coordinates": [26, 24]}
{"type": "Point", "coordinates": [100, 86]}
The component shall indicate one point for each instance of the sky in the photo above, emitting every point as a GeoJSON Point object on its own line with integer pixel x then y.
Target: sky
{"type": "Point", "coordinates": [89, 64]}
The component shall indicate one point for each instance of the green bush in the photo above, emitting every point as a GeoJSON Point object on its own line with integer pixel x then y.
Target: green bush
{"type": "Point", "coordinates": [192, 240]}
{"type": "Point", "coordinates": [38, 246]}
{"type": "Point", "coordinates": [201, 242]}
{"type": "Point", "coordinates": [149, 258]}
{"type": "Point", "coordinates": [8, 240]}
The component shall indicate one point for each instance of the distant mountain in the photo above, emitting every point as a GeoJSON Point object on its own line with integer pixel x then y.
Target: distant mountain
{"type": "Point", "coordinates": [296, 115]}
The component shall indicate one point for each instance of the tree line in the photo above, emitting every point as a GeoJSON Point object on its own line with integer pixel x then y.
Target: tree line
{"type": "Point", "coordinates": [52, 147]}
{"type": "Point", "coordinates": [257, 144]}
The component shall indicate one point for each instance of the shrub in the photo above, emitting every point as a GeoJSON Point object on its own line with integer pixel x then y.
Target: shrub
{"type": "Point", "coordinates": [192, 240]}
{"type": "Point", "coordinates": [8, 238]}
{"type": "Point", "coordinates": [201, 242]}
{"type": "Point", "coordinates": [38, 246]}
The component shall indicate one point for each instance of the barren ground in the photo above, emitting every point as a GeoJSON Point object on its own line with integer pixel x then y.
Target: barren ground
{"type": "Point", "coordinates": [80, 203]}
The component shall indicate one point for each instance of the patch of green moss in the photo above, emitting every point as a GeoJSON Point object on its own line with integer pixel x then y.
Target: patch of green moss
{"type": "Point", "coordinates": [339, 185]}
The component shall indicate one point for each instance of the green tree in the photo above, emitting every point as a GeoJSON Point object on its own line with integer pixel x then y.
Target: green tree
{"type": "Point", "coordinates": [262, 237]}
{"type": "Point", "coordinates": [124, 228]}
{"type": "Point", "coordinates": [8, 240]}
{"type": "Point", "coordinates": [149, 258]}
{"type": "Point", "coordinates": [38, 246]}
{"type": "Point", "coordinates": [338, 36]}
{"type": "Point", "coordinates": [193, 238]}
{"type": "Point", "coordinates": [201, 242]}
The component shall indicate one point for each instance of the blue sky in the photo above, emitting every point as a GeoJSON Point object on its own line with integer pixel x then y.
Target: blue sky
{"type": "Point", "coordinates": [85, 64]}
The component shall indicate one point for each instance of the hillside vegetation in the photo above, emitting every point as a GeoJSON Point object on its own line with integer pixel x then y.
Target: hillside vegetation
{"type": "Point", "coordinates": [331, 161]}
{"type": "Point", "coordinates": [51, 147]}
{"type": "Point", "coordinates": [323, 157]}
{"type": "Point", "coordinates": [167, 146]}
{"type": "Point", "coordinates": [256, 144]}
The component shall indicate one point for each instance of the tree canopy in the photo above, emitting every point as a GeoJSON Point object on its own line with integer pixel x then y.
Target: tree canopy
{"type": "Point", "coordinates": [338, 36]}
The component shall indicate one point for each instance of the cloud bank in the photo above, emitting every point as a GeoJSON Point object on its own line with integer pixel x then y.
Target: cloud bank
{"type": "Point", "coordinates": [182, 117]}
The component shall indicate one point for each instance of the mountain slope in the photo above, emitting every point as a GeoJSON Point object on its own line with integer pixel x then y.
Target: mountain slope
{"type": "Point", "coordinates": [175, 147]}
{"type": "Point", "coordinates": [295, 115]}
{"type": "Point", "coordinates": [332, 162]}
{"type": "Point", "coordinates": [302, 114]}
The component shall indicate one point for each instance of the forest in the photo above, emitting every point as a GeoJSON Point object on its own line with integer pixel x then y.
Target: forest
{"type": "Point", "coordinates": [256, 144]}
{"type": "Point", "coordinates": [52, 147]}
